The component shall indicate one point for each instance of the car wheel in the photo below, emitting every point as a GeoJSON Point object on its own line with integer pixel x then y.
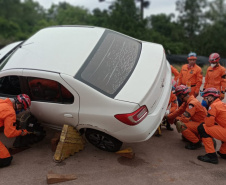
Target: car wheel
{"type": "Point", "coordinates": [102, 140]}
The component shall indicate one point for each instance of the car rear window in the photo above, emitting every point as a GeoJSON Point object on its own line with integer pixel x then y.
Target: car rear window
{"type": "Point", "coordinates": [111, 63]}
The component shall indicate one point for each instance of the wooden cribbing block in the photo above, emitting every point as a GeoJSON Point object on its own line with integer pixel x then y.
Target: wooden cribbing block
{"type": "Point", "coordinates": [56, 178]}
{"type": "Point", "coordinates": [128, 153]}
{"type": "Point", "coordinates": [70, 142]}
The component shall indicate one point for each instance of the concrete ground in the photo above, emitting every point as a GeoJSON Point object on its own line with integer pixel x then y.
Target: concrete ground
{"type": "Point", "coordinates": [158, 161]}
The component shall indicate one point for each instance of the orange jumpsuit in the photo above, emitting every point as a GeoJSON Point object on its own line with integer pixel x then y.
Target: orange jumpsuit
{"type": "Point", "coordinates": [215, 126]}
{"type": "Point", "coordinates": [172, 103]}
{"type": "Point", "coordinates": [175, 73]}
{"type": "Point", "coordinates": [215, 77]}
{"type": "Point", "coordinates": [7, 119]}
{"type": "Point", "coordinates": [191, 113]}
{"type": "Point", "coordinates": [191, 77]}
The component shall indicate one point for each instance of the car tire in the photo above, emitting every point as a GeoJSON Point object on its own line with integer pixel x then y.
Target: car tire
{"type": "Point", "coordinates": [102, 140]}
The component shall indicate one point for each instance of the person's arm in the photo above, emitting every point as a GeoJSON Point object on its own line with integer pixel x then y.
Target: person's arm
{"type": "Point", "coordinates": [178, 112]}
{"type": "Point", "coordinates": [10, 129]}
{"type": "Point", "coordinates": [173, 103]}
{"type": "Point", "coordinates": [211, 115]}
{"type": "Point", "coordinates": [188, 113]}
{"type": "Point", "coordinates": [199, 81]}
{"type": "Point", "coordinates": [206, 79]}
{"type": "Point", "coordinates": [223, 79]}
{"type": "Point", "coordinates": [180, 76]}
{"type": "Point", "coordinates": [175, 73]}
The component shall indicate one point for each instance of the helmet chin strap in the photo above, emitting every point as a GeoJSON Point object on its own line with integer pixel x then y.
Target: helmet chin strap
{"type": "Point", "coordinates": [210, 101]}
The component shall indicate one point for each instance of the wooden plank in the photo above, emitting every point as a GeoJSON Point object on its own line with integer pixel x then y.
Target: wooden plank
{"type": "Point", "coordinates": [53, 178]}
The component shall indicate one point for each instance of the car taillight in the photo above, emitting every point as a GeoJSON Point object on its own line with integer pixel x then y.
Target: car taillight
{"type": "Point", "coordinates": [133, 118]}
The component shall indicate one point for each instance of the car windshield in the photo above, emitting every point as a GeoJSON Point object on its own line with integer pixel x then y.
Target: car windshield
{"type": "Point", "coordinates": [5, 58]}
{"type": "Point", "coordinates": [111, 63]}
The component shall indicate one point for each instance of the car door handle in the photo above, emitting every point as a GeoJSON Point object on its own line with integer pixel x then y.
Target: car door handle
{"type": "Point", "coordinates": [68, 115]}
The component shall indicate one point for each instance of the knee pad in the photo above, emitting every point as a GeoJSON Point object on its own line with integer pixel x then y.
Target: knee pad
{"type": "Point", "coordinates": [202, 131]}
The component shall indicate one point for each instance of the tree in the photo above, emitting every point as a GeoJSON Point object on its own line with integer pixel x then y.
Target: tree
{"type": "Point", "coordinates": [100, 18]}
{"type": "Point", "coordinates": [217, 11]}
{"type": "Point", "coordinates": [191, 17]}
{"type": "Point", "coordinates": [124, 17]}
{"type": "Point", "coordinates": [64, 13]}
{"type": "Point", "coordinates": [212, 37]}
{"type": "Point", "coordinates": [163, 30]}
{"type": "Point", "coordinates": [143, 4]}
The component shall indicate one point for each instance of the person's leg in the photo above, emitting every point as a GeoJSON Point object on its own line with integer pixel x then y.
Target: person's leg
{"type": "Point", "coordinates": [5, 157]}
{"type": "Point", "coordinates": [222, 151]}
{"type": "Point", "coordinates": [207, 140]}
{"type": "Point", "coordinates": [191, 134]}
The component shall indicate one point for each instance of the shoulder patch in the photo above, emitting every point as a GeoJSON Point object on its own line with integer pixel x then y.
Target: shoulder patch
{"type": "Point", "coordinates": [190, 106]}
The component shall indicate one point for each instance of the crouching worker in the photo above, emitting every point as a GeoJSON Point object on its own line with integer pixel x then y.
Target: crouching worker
{"type": "Point", "coordinates": [188, 117]}
{"type": "Point", "coordinates": [8, 111]}
{"type": "Point", "coordinates": [214, 126]}
{"type": "Point", "coordinates": [172, 106]}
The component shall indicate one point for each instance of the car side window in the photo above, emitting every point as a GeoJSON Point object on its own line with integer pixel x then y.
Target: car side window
{"type": "Point", "coordinates": [49, 91]}
{"type": "Point", "coordinates": [10, 85]}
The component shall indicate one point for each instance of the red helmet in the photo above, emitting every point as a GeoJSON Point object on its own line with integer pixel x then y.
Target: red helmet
{"type": "Point", "coordinates": [210, 91]}
{"type": "Point", "coordinates": [214, 57]}
{"type": "Point", "coordinates": [192, 55]}
{"type": "Point", "coordinates": [24, 100]}
{"type": "Point", "coordinates": [181, 89]}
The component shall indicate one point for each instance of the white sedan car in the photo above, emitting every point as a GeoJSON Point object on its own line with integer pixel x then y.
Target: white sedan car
{"type": "Point", "coordinates": [109, 86]}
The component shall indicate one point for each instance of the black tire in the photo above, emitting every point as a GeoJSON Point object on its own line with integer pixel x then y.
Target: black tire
{"type": "Point", "coordinates": [102, 140]}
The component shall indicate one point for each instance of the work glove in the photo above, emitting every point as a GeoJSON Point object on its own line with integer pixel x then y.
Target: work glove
{"type": "Point", "coordinates": [180, 126]}
{"type": "Point", "coordinates": [222, 95]}
{"type": "Point", "coordinates": [167, 112]}
{"type": "Point", "coordinates": [24, 132]}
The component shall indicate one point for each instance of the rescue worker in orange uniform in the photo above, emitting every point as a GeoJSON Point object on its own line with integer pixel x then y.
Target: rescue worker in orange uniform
{"type": "Point", "coordinates": [214, 126]}
{"type": "Point", "coordinates": [175, 73]}
{"type": "Point", "coordinates": [191, 113]}
{"type": "Point", "coordinates": [215, 75]}
{"type": "Point", "coordinates": [172, 105]}
{"type": "Point", "coordinates": [191, 75]}
{"type": "Point", "coordinates": [8, 110]}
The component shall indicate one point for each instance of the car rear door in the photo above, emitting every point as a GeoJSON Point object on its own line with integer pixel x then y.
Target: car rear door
{"type": "Point", "coordinates": [51, 111]}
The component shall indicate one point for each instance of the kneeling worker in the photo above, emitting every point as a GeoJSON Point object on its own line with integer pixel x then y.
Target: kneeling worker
{"type": "Point", "coordinates": [214, 126]}
{"type": "Point", "coordinates": [8, 111]}
{"type": "Point", "coordinates": [188, 117]}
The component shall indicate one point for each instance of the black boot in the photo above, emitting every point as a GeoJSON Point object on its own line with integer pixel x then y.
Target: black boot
{"type": "Point", "coordinates": [184, 139]}
{"type": "Point", "coordinates": [209, 158]}
{"type": "Point", "coordinates": [168, 127]}
{"type": "Point", "coordinates": [223, 156]}
{"type": "Point", "coordinates": [5, 161]}
{"type": "Point", "coordinates": [193, 146]}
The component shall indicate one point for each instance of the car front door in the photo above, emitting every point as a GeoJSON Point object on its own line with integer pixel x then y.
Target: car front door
{"type": "Point", "coordinates": [54, 102]}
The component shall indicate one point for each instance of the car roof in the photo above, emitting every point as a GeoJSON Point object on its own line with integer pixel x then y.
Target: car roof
{"type": "Point", "coordinates": [61, 49]}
